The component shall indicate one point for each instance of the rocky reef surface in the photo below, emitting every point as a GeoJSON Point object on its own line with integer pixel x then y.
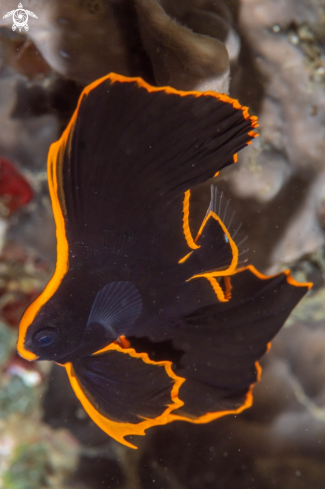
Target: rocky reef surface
{"type": "Point", "coordinates": [271, 55]}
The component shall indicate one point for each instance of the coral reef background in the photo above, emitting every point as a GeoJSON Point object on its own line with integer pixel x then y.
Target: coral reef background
{"type": "Point", "coordinates": [271, 55]}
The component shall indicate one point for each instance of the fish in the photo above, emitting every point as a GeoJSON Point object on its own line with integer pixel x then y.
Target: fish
{"type": "Point", "coordinates": [153, 322]}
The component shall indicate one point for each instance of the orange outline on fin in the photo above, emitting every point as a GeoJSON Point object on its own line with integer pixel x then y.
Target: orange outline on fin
{"type": "Point", "coordinates": [221, 295]}
{"type": "Point", "coordinates": [182, 260]}
{"type": "Point", "coordinates": [186, 225]}
{"type": "Point", "coordinates": [216, 288]}
{"type": "Point", "coordinates": [206, 418]}
{"type": "Point", "coordinates": [287, 272]}
{"type": "Point", "coordinates": [56, 150]}
{"type": "Point", "coordinates": [211, 276]}
{"type": "Point", "coordinates": [62, 260]}
{"type": "Point", "coordinates": [119, 430]}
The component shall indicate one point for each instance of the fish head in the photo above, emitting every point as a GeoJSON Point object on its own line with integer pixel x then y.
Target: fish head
{"type": "Point", "coordinates": [71, 325]}
{"type": "Point", "coordinates": [59, 329]}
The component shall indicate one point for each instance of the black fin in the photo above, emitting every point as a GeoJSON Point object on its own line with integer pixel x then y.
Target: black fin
{"type": "Point", "coordinates": [215, 252]}
{"type": "Point", "coordinates": [227, 339]}
{"type": "Point", "coordinates": [131, 152]}
{"type": "Point", "coordinates": [222, 341]}
{"type": "Point", "coordinates": [189, 297]}
{"type": "Point", "coordinates": [124, 388]}
{"type": "Point", "coordinates": [116, 307]}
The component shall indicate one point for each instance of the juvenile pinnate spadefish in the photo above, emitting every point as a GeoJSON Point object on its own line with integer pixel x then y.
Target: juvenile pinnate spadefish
{"type": "Point", "coordinates": [152, 323]}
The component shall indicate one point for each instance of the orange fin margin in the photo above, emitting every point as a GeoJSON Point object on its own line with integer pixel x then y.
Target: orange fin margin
{"type": "Point", "coordinates": [62, 264]}
{"type": "Point", "coordinates": [211, 276]}
{"type": "Point", "coordinates": [119, 430]}
{"type": "Point", "coordinates": [186, 225]}
{"type": "Point", "coordinates": [206, 418]}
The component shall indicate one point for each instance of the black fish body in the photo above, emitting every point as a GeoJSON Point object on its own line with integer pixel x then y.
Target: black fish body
{"type": "Point", "coordinates": [151, 323]}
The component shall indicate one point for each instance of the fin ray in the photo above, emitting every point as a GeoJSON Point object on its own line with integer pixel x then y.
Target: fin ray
{"type": "Point", "coordinates": [147, 146]}
{"type": "Point", "coordinates": [116, 307]}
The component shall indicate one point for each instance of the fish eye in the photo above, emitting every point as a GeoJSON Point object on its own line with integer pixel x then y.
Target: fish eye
{"type": "Point", "coordinates": [45, 337]}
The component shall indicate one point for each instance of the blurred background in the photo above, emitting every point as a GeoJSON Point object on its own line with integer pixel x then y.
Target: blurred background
{"type": "Point", "coordinates": [269, 54]}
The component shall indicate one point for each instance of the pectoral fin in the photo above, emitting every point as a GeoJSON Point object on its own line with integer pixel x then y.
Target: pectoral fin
{"type": "Point", "coordinates": [116, 307]}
